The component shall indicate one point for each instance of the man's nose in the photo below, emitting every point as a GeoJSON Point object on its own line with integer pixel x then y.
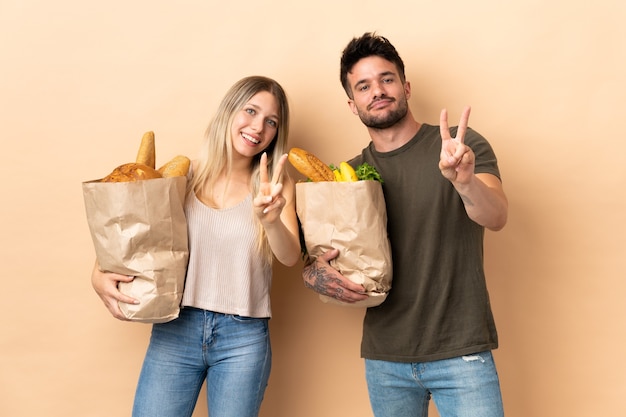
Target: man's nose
{"type": "Point", "coordinates": [378, 90]}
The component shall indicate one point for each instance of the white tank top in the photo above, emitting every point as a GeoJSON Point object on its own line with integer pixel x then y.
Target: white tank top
{"type": "Point", "coordinates": [226, 274]}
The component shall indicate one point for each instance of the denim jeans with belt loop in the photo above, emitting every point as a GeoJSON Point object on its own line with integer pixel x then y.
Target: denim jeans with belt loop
{"type": "Point", "coordinates": [464, 386]}
{"type": "Point", "coordinates": [232, 353]}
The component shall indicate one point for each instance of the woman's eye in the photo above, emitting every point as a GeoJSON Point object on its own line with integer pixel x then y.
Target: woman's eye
{"type": "Point", "coordinates": [272, 123]}
{"type": "Point", "coordinates": [250, 111]}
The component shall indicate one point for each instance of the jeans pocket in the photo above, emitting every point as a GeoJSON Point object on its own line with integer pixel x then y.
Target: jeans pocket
{"type": "Point", "coordinates": [244, 319]}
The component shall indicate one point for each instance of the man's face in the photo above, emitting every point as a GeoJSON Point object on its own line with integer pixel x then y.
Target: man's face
{"type": "Point", "coordinates": [379, 97]}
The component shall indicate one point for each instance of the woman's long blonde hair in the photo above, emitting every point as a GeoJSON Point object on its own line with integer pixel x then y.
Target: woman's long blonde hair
{"type": "Point", "coordinates": [215, 156]}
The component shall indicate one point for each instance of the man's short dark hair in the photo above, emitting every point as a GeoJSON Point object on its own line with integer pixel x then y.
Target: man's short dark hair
{"type": "Point", "coordinates": [370, 44]}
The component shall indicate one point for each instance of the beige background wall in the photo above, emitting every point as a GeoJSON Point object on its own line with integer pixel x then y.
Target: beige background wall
{"type": "Point", "coordinates": [81, 81]}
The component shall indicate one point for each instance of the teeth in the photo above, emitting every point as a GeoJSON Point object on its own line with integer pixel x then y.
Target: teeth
{"type": "Point", "coordinates": [249, 138]}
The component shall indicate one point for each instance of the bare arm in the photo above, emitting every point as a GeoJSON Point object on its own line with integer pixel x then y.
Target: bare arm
{"type": "Point", "coordinates": [485, 201]}
{"type": "Point", "coordinates": [105, 285]}
{"type": "Point", "coordinates": [275, 207]}
{"type": "Point", "coordinates": [482, 194]}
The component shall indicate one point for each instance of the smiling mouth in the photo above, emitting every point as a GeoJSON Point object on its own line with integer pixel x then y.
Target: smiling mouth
{"type": "Point", "coordinates": [250, 138]}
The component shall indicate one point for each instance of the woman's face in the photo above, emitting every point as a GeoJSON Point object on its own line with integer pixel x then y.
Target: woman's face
{"type": "Point", "coordinates": [255, 125]}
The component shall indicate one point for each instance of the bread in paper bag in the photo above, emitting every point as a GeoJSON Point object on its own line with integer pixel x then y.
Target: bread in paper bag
{"type": "Point", "coordinates": [350, 217]}
{"type": "Point", "coordinates": [139, 228]}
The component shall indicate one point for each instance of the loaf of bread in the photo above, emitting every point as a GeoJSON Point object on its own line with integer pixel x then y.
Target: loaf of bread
{"type": "Point", "coordinates": [143, 168]}
{"type": "Point", "coordinates": [310, 165]}
{"type": "Point", "coordinates": [132, 171]}
{"type": "Point", "coordinates": [147, 150]}
{"type": "Point", "coordinates": [177, 166]}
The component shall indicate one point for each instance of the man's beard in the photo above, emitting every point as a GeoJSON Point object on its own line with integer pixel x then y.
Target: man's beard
{"type": "Point", "coordinates": [387, 120]}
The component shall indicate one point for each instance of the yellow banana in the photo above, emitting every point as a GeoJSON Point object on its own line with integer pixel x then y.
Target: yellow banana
{"type": "Point", "coordinates": [338, 176]}
{"type": "Point", "coordinates": [347, 172]}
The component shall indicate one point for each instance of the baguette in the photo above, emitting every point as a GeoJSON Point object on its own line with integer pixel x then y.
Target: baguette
{"type": "Point", "coordinates": [310, 166]}
{"type": "Point", "coordinates": [147, 153]}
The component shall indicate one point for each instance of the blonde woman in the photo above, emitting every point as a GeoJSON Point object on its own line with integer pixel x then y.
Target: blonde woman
{"type": "Point", "coordinates": [241, 215]}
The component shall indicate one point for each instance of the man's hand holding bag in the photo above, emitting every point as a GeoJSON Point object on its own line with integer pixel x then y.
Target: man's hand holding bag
{"type": "Point", "coordinates": [338, 210]}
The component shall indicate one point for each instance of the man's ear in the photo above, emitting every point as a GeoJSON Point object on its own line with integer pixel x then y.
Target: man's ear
{"type": "Point", "coordinates": [352, 106]}
{"type": "Point", "coordinates": [407, 89]}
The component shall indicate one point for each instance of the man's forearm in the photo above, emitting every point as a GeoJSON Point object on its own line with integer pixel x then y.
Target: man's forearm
{"type": "Point", "coordinates": [485, 201]}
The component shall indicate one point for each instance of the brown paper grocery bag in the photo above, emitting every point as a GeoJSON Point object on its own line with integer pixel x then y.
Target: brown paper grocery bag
{"type": "Point", "coordinates": [351, 217]}
{"type": "Point", "coordinates": [139, 228]}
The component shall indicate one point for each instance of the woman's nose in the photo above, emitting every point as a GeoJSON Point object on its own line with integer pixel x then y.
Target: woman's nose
{"type": "Point", "coordinates": [257, 124]}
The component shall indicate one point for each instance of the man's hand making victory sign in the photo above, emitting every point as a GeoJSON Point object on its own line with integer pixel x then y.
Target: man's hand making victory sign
{"type": "Point", "coordinates": [481, 193]}
{"type": "Point", "coordinates": [457, 159]}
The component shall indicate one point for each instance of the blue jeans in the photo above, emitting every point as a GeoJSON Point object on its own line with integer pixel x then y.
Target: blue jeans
{"type": "Point", "coordinates": [232, 353]}
{"type": "Point", "coordinates": [466, 386]}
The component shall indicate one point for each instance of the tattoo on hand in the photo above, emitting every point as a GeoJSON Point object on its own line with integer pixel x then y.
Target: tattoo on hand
{"type": "Point", "coordinates": [466, 200]}
{"type": "Point", "coordinates": [317, 279]}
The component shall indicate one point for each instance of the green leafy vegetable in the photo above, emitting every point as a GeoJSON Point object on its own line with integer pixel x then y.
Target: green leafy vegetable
{"type": "Point", "coordinates": [367, 172]}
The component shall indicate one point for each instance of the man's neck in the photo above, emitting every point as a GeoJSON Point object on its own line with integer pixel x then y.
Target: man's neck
{"type": "Point", "coordinates": [396, 136]}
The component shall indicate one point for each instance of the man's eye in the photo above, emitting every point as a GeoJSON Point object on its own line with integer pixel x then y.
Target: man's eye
{"type": "Point", "coordinates": [363, 88]}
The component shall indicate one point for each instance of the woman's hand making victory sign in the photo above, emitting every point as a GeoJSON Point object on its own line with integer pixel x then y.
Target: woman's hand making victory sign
{"type": "Point", "coordinates": [275, 207]}
{"type": "Point", "coordinates": [457, 159]}
{"type": "Point", "coordinates": [269, 203]}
